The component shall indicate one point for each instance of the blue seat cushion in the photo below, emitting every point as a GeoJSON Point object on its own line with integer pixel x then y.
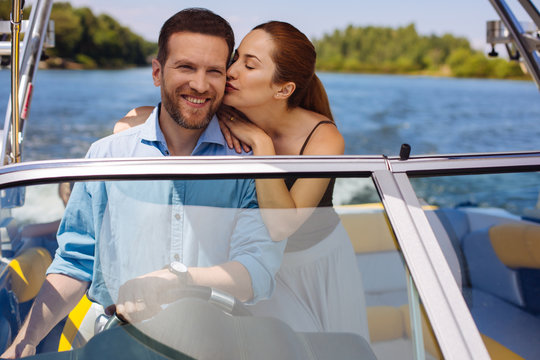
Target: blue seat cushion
{"type": "Point", "coordinates": [505, 323]}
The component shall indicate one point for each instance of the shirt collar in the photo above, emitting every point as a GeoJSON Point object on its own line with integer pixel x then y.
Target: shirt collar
{"type": "Point", "coordinates": [151, 132]}
{"type": "Point", "coordinates": [211, 135]}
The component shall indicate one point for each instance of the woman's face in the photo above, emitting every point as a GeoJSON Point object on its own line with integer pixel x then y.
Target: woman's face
{"type": "Point", "coordinates": [249, 78]}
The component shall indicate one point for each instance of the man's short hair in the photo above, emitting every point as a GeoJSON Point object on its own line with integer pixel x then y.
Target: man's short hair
{"type": "Point", "coordinates": [194, 20]}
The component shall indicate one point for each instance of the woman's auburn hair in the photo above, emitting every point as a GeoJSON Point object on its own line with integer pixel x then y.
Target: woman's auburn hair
{"type": "Point", "coordinates": [295, 57]}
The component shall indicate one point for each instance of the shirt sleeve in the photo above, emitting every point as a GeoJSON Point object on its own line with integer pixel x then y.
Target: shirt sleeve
{"type": "Point", "coordinates": [76, 234]}
{"type": "Point", "coordinates": [76, 239]}
{"type": "Point", "coordinates": [252, 246]}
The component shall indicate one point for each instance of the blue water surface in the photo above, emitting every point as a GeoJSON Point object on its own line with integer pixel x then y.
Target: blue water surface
{"type": "Point", "coordinates": [375, 113]}
{"type": "Point", "coordinates": [71, 109]}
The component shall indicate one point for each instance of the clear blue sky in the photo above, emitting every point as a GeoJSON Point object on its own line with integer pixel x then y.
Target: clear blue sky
{"type": "Point", "coordinates": [314, 17]}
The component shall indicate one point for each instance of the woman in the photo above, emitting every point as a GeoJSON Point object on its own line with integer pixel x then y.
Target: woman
{"type": "Point", "coordinates": [272, 82]}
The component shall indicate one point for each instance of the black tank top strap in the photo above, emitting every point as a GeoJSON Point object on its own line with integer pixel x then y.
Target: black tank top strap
{"type": "Point", "coordinates": [311, 133]}
{"type": "Point", "coordinates": [322, 222]}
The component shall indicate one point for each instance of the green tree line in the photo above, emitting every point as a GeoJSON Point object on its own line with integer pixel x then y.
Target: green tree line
{"type": "Point", "coordinates": [386, 50]}
{"type": "Point", "coordinates": [90, 40]}
{"type": "Point", "coordinates": [100, 41]}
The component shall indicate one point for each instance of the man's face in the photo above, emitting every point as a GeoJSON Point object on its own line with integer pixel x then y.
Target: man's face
{"type": "Point", "coordinates": [193, 78]}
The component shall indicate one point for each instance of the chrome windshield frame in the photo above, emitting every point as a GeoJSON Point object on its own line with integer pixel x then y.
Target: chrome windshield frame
{"type": "Point", "coordinates": [462, 164]}
{"type": "Point", "coordinates": [188, 167]}
{"type": "Point", "coordinates": [453, 325]}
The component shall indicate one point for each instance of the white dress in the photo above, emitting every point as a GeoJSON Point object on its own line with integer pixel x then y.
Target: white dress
{"type": "Point", "coordinates": [319, 289]}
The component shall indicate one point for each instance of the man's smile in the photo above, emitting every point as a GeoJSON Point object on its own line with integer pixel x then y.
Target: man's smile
{"type": "Point", "coordinates": [195, 100]}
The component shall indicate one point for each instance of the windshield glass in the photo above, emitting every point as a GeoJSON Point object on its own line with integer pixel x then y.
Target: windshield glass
{"type": "Point", "coordinates": [328, 279]}
{"type": "Point", "coordinates": [488, 227]}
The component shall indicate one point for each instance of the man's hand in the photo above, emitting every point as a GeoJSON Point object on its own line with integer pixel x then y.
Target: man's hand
{"type": "Point", "coordinates": [141, 298]}
{"type": "Point", "coordinates": [17, 350]}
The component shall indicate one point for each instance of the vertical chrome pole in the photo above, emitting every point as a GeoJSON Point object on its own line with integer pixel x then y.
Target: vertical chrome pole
{"type": "Point", "coordinates": [16, 14]}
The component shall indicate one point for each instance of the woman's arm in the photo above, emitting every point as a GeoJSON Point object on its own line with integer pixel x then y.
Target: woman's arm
{"type": "Point", "coordinates": [133, 118]}
{"type": "Point", "coordinates": [285, 211]}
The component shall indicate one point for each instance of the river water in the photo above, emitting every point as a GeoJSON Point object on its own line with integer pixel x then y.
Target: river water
{"type": "Point", "coordinates": [375, 113]}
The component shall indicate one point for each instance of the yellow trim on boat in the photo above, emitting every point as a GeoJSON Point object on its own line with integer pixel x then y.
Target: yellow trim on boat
{"type": "Point", "coordinates": [363, 206]}
{"type": "Point", "coordinates": [497, 351]}
{"type": "Point", "coordinates": [73, 322]}
{"type": "Point", "coordinates": [27, 272]}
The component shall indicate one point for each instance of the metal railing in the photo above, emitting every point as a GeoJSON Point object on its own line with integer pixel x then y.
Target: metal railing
{"type": "Point", "coordinates": [23, 75]}
{"type": "Point", "coordinates": [527, 44]}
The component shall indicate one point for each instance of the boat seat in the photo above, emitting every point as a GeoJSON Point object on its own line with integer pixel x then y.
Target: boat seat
{"type": "Point", "coordinates": [390, 329]}
{"type": "Point", "coordinates": [27, 272]}
{"type": "Point", "coordinates": [504, 260]}
{"type": "Point", "coordinates": [456, 224]}
{"type": "Point", "coordinates": [504, 270]}
{"type": "Point", "coordinates": [385, 285]}
{"type": "Point", "coordinates": [385, 282]}
{"type": "Point", "coordinates": [377, 256]}
{"type": "Point", "coordinates": [10, 320]}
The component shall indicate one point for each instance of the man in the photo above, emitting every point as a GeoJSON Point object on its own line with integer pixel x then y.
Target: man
{"type": "Point", "coordinates": [238, 257]}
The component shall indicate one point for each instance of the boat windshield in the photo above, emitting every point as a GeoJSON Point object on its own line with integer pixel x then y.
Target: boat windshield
{"type": "Point", "coordinates": [489, 229]}
{"type": "Point", "coordinates": [341, 288]}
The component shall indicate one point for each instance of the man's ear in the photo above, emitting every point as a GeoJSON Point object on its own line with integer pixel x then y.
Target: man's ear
{"type": "Point", "coordinates": [285, 91]}
{"type": "Point", "coordinates": [156, 72]}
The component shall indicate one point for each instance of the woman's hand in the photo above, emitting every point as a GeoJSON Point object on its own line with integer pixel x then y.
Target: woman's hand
{"type": "Point", "coordinates": [239, 132]}
{"type": "Point", "coordinates": [227, 113]}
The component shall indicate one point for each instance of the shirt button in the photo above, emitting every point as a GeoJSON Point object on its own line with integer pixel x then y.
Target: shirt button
{"type": "Point", "coordinates": [166, 152]}
{"type": "Point", "coordinates": [177, 216]}
{"type": "Point", "coordinates": [176, 257]}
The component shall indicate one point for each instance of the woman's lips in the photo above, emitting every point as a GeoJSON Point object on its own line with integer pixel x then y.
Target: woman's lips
{"type": "Point", "coordinates": [229, 87]}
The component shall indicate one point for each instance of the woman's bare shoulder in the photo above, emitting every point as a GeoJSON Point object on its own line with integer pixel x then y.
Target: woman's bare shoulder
{"type": "Point", "coordinates": [325, 138]}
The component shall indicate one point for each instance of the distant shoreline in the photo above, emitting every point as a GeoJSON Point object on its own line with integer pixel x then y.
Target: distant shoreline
{"type": "Point", "coordinates": [433, 74]}
{"type": "Point", "coordinates": [62, 64]}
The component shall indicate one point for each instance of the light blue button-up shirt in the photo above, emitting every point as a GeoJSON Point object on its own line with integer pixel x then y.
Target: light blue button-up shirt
{"type": "Point", "coordinates": [114, 231]}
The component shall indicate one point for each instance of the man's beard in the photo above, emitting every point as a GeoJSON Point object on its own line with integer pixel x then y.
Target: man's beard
{"type": "Point", "coordinates": [170, 103]}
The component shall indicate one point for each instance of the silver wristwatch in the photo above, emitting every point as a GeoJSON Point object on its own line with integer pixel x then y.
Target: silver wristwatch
{"type": "Point", "coordinates": [179, 270]}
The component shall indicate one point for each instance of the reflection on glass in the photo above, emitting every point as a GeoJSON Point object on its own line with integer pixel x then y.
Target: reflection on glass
{"type": "Point", "coordinates": [489, 229]}
{"type": "Point", "coordinates": [337, 283]}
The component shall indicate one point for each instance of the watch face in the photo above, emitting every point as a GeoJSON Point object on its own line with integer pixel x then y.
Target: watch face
{"type": "Point", "coordinates": [178, 267]}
